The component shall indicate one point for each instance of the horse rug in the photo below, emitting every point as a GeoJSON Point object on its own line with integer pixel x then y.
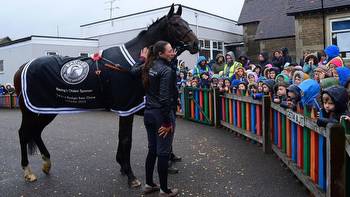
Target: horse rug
{"type": "Point", "coordinates": [56, 84]}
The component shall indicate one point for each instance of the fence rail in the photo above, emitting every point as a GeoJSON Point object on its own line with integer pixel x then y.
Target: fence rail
{"type": "Point", "coordinates": [9, 101]}
{"type": "Point", "coordinates": [318, 156]}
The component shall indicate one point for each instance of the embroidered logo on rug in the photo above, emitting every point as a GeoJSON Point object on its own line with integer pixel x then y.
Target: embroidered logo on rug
{"type": "Point", "coordinates": [74, 72]}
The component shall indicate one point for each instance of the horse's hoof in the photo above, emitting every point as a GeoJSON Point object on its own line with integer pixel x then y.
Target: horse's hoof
{"type": "Point", "coordinates": [46, 167]}
{"type": "Point", "coordinates": [134, 183]}
{"type": "Point", "coordinates": [30, 177]}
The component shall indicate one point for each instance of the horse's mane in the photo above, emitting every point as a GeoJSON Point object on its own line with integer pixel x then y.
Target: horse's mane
{"type": "Point", "coordinates": [151, 25]}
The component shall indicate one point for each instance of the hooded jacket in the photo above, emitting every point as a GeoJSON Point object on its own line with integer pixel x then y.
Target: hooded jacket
{"type": "Point", "coordinates": [332, 51]}
{"type": "Point", "coordinates": [343, 74]}
{"type": "Point", "coordinates": [296, 90]}
{"type": "Point", "coordinates": [340, 99]}
{"type": "Point", "coordinates": [303, 76]}
{"type": "Point", "coordinates": [198, 70]}
{"type": "Point", "coordinates": [310, 90]}
{"type": "Point", "coordinates": [218, 67]}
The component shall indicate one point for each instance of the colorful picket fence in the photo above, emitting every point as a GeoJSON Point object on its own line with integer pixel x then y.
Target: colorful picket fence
{"type": "Point", "coordinates": [306, 148]}
{"type": "Point", "coordinates": [180, 111]}
{"type": "Point", "coordinates": [8, 101]}
{"type": "Point", "coordinates": [244, 115]}
{"type": "Point", "coordinates": [199, 105]}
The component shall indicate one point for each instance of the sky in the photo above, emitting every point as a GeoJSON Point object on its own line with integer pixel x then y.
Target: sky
{"type": "Point", "coordinates": [20, 18]}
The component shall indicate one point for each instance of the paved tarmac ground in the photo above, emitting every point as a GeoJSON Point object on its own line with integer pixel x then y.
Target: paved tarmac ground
{"type": "Point", "coordinates": [83, 146]}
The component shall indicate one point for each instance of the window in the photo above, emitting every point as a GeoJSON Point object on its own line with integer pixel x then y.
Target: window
{"type": "Point", "coordinates": [340, 35]}
{"type": "Point", "coordinates": [84, 54]}
{"type": "Point", "coordinates": [210, 50]}
{"type": "Point", "coordinates": [51, 53]}
{"type": "Point", "coordinates": [1, 66]}
{"type": "Point", "coordinates": [205, 48]}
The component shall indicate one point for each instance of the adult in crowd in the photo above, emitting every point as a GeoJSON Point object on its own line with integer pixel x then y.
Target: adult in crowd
{"type": "Point", "coordinates": [277, 59]}
{"type": "Point", "coordinates": [159, 80]}
{"type": "Point", "coordinates": [219, 64]}
{"type": "Point", "coordinates": [201, 66]}
{"type": "Point", "coordinates": [285, 55]}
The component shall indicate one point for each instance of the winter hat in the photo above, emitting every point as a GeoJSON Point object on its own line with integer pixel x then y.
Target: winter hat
{"type": "Point", "coordinates": [254, 74]}
{"type": "Point", "coordinates": [339, 96]}
{"type": "Point", "coordinates": [285, 78]}
{"type": "Point", "coordinates": [261, 79]}
{"type": "Point", "coordinates": [302, 75]}
{"type": "Point", "coordinates": [296, 90]}
{"type": "Point", "coordinates": [282, 83]}
{"type": "Point", "coordinates": [250, 85]}
{"type": "Point", "coordinates": [298, 68]}
{"type": "Point", "coordinates": [235, 83]}
{"type": "Point", "coordinates": [215, 76]}
{"type": "Point", "coordinates": [332, 51]}
{"type": "Point", "coordinates": [343, 74]}
{"type": "Point", "coordinates": [337, 61]}
{"type": "Point", "coordinates": [313, 56]}
{"type": "Point", "coordinates": [270, 83]}
{"type": "Point", "coordinates": [328, 82]}
{"type": "Point", "coordinates": [323, 69]}
{"type": "Point", "coordinates": [287, 65]}
{"type": "Point", "coordinates": [310, 90]}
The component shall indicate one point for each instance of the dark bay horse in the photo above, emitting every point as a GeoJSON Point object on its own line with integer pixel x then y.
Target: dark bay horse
{"type": "Point", "coordinates": [122, 86]}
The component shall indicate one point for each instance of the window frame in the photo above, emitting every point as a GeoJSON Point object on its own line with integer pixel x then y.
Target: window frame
{"type": "Point", "coordinates": [331, 32]}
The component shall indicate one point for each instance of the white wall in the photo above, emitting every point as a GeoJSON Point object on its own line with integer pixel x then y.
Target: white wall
{"type": "Point", "coordinates": [17, 54]}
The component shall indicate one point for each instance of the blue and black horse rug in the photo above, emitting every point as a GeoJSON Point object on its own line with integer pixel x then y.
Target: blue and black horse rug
{"type": "Point", "coordinates": [57, 84]}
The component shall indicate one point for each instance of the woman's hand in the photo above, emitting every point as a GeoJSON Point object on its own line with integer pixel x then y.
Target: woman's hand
{"type": "Point", "coordinates": [164, 131]}
{"type": "Point", "coordinates": [144, 53]}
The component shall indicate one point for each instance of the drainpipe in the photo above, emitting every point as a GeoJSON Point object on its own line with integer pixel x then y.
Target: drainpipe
{"type": "Point", "coordinates": [324, 25]}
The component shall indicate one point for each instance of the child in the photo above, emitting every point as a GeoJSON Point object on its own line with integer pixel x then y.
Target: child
{"type": "Point", "coordinates": [214, 81]}
{"type": "Point", "coordinates": [293, 98]}
{"type": "Point", "coordinates": [310, 90]}
{"type": "Point", "coordinates": [240, 74]}
{"type": "Point", "coordinates": [311, 63]}
{"type": "Point", "coordinates": [221, 84]}
{"type": "Point", "coordinates": [267, 89]}
{"type": "Point", "coordinates": [260, 83]}
{"type": "Point", "coordinates": [252, 77]}
{"type": "Point", "coordinates": [257, 70]}
{"type": "Point", "coordinates": [334, 105]}
{"type": "Point", "coordinates": [272, 72]}
{"type": "Point", "coordinates": [227, 85]}
{"type": "Point", "coordinates": [280, 92]}
{"type": "Point", "coordinates": [321, 72]}
{"type": "Point", "coordinates": [299, 76]}
{"type": "Point", "coordinates": [252, 88]}
{"type": "Point", "coordinates": [282, 78]}
{"type": "Point", "coordinates": [194, 83]}
{"type": "Point", "coordinates": [205, 82]}
{"type": "Point", "coordinates": [242, 87]}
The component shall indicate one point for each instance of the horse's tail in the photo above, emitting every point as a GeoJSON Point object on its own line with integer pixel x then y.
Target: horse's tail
{"type": "Point", "coordinates": [17, 82]}
{"type": "Point", "coordinates": [32, 147]}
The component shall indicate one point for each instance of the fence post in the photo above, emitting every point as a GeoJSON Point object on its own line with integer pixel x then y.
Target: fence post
{"type": "Point", "coordinates": [335, 161]}
{"type": "Point", "coordinates": [266, 105]}
{"type": "Point", "coordinates": [216, 107]}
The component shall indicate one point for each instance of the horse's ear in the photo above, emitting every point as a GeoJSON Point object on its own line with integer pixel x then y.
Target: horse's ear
{"type": "Point", "coordinates": [179, 10]}
{"type": "Point", "coordinates": [171, 12]}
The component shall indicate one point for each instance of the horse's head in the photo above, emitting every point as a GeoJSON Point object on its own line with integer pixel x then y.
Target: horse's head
{"type": "Point", "coordinates": [179, 33]}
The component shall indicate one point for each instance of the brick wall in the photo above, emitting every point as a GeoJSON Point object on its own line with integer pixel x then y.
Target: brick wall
{"type": "Point", "coordinates": [252, 47]}
{"type": "Point", "coordinates": [278, 43]}
{"type": "Point", "coordinates": [308, 33]}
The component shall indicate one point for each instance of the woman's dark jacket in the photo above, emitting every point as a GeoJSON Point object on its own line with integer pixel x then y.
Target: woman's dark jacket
{"type": "Point", "coordinates": [162, 92]}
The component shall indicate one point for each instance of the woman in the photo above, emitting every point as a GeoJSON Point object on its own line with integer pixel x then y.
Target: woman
{"type": "Point", "coordinates": [159, 80]}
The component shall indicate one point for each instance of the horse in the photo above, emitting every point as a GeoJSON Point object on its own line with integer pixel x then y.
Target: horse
{"type": "Point", "coordinates": [127, 90]}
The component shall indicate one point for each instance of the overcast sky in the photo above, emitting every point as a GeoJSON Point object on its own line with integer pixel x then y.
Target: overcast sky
{"type": "Point", "coordinates": [20, 18]}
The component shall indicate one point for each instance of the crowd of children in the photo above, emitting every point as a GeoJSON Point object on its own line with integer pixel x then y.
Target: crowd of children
{"type": "Point", "coordinates": [7, 89]}
{"type": "Point", "coordinates": [321, 81]}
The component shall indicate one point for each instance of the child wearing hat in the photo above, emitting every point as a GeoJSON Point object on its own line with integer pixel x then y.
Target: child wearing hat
{"type": "Point", "coordinates": [334, 105]}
